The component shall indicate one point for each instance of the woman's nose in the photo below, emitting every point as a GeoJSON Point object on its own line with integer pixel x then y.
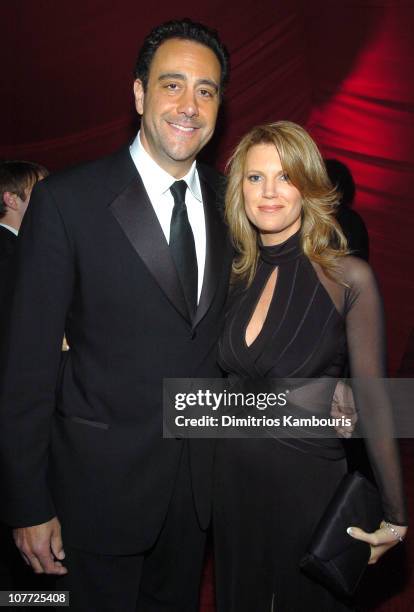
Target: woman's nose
{"type": "Point", "coordinates": [269, 188]}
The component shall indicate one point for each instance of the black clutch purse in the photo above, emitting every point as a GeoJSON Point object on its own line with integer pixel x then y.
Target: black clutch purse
{"type": "Point", "coordinates": [334, 558]}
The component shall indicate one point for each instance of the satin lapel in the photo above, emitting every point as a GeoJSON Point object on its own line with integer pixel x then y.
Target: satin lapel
{"type": "Point", "coordinates": [216, 248]}
{"type": "Point", "coordinates": [135, 214]}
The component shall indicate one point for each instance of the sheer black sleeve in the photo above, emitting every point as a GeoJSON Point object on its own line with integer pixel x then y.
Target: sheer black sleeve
{"type": "Point", "coordinates": [365, 332]}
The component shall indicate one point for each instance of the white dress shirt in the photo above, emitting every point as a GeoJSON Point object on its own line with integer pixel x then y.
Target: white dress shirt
{"type": "Point", "coordinates": [10, 228]}
{"type": "Point", "coordinates": [157, 183]}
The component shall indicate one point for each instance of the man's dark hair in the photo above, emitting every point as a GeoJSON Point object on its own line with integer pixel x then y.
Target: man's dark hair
{"type": "Point", "coordinates": [185, 29]}
{"type": "Point", "coordinates": [17, 177]}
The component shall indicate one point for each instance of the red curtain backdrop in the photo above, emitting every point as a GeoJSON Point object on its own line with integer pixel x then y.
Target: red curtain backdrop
{"type": "Point", "coordinates": [343, 68]}
{"type": "Point", "coordinates": [362, 58]}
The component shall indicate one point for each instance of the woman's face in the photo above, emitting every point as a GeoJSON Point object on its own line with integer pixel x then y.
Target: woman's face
{"type": "Point", "coordinates": [272, 203]}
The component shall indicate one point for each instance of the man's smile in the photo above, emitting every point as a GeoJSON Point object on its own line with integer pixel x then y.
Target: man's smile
{"type": "Point", "coordinates": [183, 128]}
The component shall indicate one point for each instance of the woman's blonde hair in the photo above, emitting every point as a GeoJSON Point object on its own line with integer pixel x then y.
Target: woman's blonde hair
{"type": "Point", "coordinates": [322, 238]}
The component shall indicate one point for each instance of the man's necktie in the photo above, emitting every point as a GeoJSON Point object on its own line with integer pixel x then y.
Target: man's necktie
{"type": "Point", "coordinates": [182, 246]}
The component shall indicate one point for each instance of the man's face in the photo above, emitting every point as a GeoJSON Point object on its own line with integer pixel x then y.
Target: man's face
{"type": "Point", "coordinates": [179, 107]}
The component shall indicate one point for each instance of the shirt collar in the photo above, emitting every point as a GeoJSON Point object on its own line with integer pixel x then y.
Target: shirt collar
{"type": "Point", "coordinates": [10, 228]}
{"type": "Point", "coordinates": [157, 180]}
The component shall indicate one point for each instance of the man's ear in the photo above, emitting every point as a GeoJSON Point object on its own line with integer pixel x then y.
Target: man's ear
{"type": "Point", "coordinates": [10, 200]}
{"type": "Point", "coordinates": [139, 96]}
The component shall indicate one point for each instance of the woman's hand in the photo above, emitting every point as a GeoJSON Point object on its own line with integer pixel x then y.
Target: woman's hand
{"type": "Point", "coordinates": [381, 540]}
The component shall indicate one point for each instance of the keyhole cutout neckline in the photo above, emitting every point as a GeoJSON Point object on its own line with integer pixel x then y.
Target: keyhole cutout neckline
{"type": "Point", "coordinates": [275, 255]}
{"type": "Point", "coordinates": [261, 311]}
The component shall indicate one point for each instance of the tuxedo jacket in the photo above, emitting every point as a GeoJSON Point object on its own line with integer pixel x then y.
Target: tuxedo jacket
{"type": "Point", "coordinates": [8, 242]}
{"type": "Point", "coordinates": [81, 436]}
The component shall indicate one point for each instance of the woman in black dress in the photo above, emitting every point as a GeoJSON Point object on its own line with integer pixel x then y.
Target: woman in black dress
{"type": "Point", "coordinates": [302, 307]}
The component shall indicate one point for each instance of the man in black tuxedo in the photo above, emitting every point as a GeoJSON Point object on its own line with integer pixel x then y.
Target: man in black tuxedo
{"type": "Point", "coordinates": [129, 256]}
{"type": "Point", "coordinates": [17, 179]}
{"type": "Point", "coordinates": [8, 238]}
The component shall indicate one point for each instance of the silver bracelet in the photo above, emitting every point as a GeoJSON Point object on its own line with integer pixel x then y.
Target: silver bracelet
{"type": "Point", "coordinates": [394, 531]}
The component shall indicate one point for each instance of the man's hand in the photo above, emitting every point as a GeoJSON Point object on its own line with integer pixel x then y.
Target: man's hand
{"type": "Point", "coordinates": [41, 547]}
{"type": "Point", "coordinates": [343, 406]}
